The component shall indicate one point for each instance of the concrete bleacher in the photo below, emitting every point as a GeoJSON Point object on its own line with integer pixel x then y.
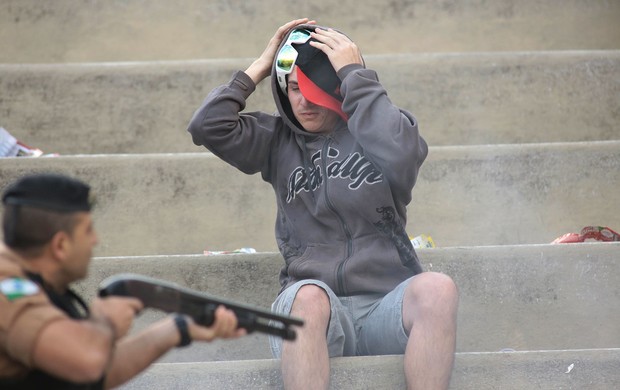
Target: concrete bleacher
{"type": "Point", "coordinates": [121, 30]}
{"type": "Point", "coordinates": [186, 203]}
{"type": "Point", "coordinates": [521, 297]}
{"type": "Point", "coordinates": [529, 300]}
{"type": "Point", "coordinates": [520, 104]}
{"type": "Point", "coordinates": [592, 369]}
{"type": "Point", "coordinates": [458, 99]}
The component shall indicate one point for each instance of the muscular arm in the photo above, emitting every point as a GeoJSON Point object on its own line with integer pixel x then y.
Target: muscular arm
{"type": "Point", "coordinates": [80, 350]}
{"type": "Point", "coordinates": [60, 350]}
{"type": "Point", "coordinates": [135, 353]}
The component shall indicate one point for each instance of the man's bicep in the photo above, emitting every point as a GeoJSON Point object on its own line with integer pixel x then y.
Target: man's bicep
{"type": "Point", "coordinates": [23, 317]}
{"type": "Point", "coordinates": [71, 349]}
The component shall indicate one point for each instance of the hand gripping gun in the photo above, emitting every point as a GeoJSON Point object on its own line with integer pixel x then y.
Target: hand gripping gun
{"type": "Point", "coordinates": [172, 298]}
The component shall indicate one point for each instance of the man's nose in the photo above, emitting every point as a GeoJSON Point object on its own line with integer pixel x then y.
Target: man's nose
{"type": "Point", "coordinates": [305, 102]}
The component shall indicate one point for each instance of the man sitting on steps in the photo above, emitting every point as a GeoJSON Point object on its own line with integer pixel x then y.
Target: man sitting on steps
{"type": "Point", "coordinates": [342, 160]}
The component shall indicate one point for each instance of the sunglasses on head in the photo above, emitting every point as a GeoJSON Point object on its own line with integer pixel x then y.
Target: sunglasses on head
{"type": "Point", "coordinates": [285, 60]}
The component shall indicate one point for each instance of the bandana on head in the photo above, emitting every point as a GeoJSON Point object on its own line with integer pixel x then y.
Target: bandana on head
{"type": "Point", "coordinates": [317, 79]}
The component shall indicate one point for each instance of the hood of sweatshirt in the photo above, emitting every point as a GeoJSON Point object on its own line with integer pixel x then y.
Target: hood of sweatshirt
{"type": "Point", "coordinates": [318, 80]}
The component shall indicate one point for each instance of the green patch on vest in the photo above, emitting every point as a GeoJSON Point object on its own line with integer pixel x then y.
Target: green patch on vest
{"type": "Point", "coordinates": [16, 288]}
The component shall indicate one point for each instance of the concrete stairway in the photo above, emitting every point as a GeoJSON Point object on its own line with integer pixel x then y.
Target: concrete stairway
{"type": "Point", "coordinates": [522, 297]}
{"type": "Point", "coordinates": [458, 98]}
{"type": "Point", "coordinates": [530, 299]}
{"type": "Point", "coordinates": [520, 102]}
{"type": "Point", "coordinates": [121, 30]}
{"type": "Point", "coordinates": [484, 195]}
{"type": "Point", "coordinates": [593, 369]}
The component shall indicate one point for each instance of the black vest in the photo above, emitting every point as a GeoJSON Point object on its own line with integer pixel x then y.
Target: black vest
{"type": "Point", "coordinates": [75, 307]}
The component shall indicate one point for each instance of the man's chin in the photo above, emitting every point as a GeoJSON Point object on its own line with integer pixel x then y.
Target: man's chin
{"type": "Point", "coordinates": [310, 128]}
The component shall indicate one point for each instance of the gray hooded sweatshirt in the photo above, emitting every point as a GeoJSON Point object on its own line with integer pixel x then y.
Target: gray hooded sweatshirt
{"type": "Point", "coordinates": [341, 197]}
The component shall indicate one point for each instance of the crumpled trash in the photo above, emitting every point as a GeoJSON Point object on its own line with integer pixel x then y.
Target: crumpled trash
{"type": "Point", "coordinates": [240, 250]}
{"type": "Point", "coordinates": [588, 234]}
{"type": "Point", "coordinates": [11, 147]}
{"type": "Point", "coordinates": [422, 241]}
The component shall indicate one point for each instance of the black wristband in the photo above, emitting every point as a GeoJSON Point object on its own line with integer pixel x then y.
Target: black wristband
{"type": "Point", "coordinates": [181, 323]}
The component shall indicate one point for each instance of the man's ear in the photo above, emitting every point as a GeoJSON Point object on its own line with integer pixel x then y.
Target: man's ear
{"type": "Point", "coordinates": [60, 245]}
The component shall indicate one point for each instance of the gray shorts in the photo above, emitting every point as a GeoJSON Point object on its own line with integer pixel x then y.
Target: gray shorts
{"type": "Point", "coordinates": [359, 325]}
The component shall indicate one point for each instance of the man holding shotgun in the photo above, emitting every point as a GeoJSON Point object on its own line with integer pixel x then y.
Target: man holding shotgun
{"type": "Point", "coordinates": [49, 338]}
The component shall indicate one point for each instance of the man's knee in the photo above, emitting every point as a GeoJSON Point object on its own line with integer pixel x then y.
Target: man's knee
{"type": "Point", "coordinates": [432, 291]}
{"type": "Point", "coordinates": [311, 300]}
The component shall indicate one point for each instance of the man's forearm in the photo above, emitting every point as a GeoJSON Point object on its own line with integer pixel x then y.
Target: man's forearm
{"type": "Point", "coordinates": [258, 71]}
{"type": "Point", "coordinates": [135, 353]}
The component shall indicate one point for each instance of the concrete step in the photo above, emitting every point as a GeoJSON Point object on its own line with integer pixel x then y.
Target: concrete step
{"type": "Point", "coordinates": [523, 297]}
{"type": "Point", "coordinates": [593, 369]}
{"type": "Point", "coordinates": [114, 30]}
{"type": "Point", "coordinates": [458, 98]}
{"type": "Point", "coordinates": [468, 195]}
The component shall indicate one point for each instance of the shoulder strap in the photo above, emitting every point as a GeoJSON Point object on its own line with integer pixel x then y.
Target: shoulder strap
{"type": "Point", "coordinates": [69, 302]}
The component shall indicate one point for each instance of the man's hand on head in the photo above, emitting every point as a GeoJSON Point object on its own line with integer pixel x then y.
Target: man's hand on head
{"type": "Point", "coordinates": [340, 50]}
{"type": "Point", "coordinates": [261, 67]}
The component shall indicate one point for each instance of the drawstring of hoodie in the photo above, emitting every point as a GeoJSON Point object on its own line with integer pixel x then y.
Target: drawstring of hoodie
{"type": "Point", "coordinates": [301, 142]}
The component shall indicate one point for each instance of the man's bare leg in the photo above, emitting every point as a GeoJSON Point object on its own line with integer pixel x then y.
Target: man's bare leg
{"type": "Point", "coordinates": [429, 314]}
{"type": "Point", "coordinates": [305, 361]}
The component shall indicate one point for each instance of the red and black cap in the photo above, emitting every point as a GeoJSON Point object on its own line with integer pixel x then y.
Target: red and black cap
{"type": "Point", "coordinates": [318, 81]}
